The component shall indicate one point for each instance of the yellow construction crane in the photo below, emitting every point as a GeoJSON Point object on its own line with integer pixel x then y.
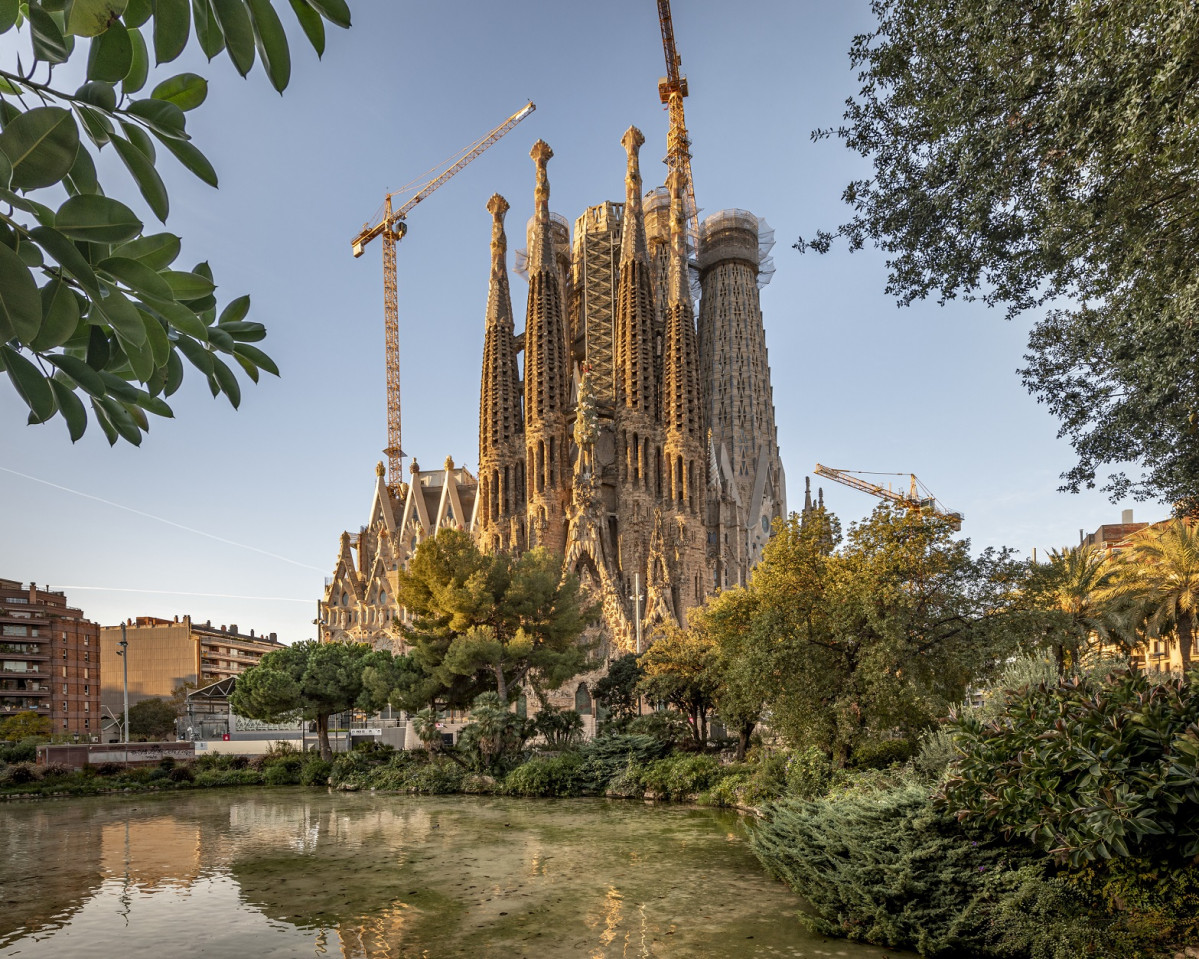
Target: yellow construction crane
{"type": "Point", "coordinates": [390, 224]}
{"type": "Point", "coordinates": [917, 497]}
{"type": "Point", "coordinates": [671, 90]}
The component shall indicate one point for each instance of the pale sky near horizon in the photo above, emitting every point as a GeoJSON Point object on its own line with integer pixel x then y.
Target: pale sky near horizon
{"type": "Point", "coordinates": [235, 517]}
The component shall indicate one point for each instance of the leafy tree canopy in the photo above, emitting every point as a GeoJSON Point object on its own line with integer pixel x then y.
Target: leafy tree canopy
{"type": "Point", "coordinates": [92, 303]}
{"type": "Point", "coordinates": [152, 719]}
{"type": "Point", "coordinates": [24, 725]}
{"type": "Point", "coordinates": [314, 679]}
{"type": "Point", "coordinates": [1037, 152]}
{"type": "Point", "coordinates": [490, 621]}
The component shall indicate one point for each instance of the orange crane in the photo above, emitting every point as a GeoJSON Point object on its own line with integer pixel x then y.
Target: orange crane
{"type": "Point", "coordinates": [671, 90]}
{"type": "Point", "coordinates": [391, 226]}
{"type": "Point", "coordinates": [918, 496]}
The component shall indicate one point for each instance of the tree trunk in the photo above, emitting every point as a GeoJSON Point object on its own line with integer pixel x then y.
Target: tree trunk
{"type": "Point", "coordinates": [1186, 632]}
{"type": "Point", "coordinates": [501, 685]}
{"type": "Point", "coordinates": [322, 737]}
{"type": "Point", "coordinates": [743, 735]}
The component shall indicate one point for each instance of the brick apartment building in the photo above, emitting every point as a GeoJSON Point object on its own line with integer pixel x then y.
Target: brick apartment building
{"type": "Point", "coordinates": [49, 659]}
{"type": "Point", "coordinates": [165, 654]}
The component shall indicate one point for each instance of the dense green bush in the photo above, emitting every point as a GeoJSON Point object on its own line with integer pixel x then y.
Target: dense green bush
{"type": "Point", "coordinates": [24, 751]}
{"type": "Point", "coordinates": [887, 869]}
{"type": "Point", "coordinates": [109, 769]}
{"type": "Point", "coordinates": [316, 772]}
{"type": "Point", "coordinates": [281, 774]}
{"type": "Point", "coordinates": [210, 778]}
{"type": "Point", "coordinates": [807, 773]}
{"type": "Point", "coordinates": [19, 774]}
{"type": "Point", "coordinates": [181, 774]}
{"type": "Point", "coordinates": [881, 753]}
{"type": "Point", "coordinates": [607, 756]}
{"type": "Point", "coordinates": [667, 726]}
{"type": "Point", "coordinates": [1087, 768]}
{"type": "Point", "coordinates": [561, 775]}
{"type": "Point", "coordinates": [680, 776]}
{"type": "Point", "coordinates": [439, 775]}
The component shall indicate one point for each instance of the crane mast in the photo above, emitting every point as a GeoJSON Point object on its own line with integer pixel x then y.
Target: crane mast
{"type": "Point", "coordinates": [671, 90]}
{"type": "Point", "coordinates": [391, 226]}
{"type": "Point", "coordinates": [917, 497]}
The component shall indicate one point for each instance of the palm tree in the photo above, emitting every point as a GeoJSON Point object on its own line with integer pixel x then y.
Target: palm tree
{"type": "Point", "coordinates": [1160, 572]}
{"type": "Point", "coordinates": [1077, 582]}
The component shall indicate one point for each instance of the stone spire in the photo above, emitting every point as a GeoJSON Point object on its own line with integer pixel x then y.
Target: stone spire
{"type": "Point", "coordinates": [680, 401]}
{"type": "Point", "coordinates": [547, 377]}
{"type": "Point", "coordinates": [501, 423]}
{"type": "Point", "coordinates": [635, 297]}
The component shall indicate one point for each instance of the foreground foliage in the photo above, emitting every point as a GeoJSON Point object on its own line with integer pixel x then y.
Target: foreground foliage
{"type": "Point", "coordinates": [1040, 151]}
{"type": "Point", "coordinates": [92, 306]}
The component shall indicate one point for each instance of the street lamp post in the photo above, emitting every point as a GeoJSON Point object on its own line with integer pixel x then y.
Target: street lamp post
{"type": "Point", "coordinates": [636, 598]}
{"type": "Point", "coordinates": [124, 654]}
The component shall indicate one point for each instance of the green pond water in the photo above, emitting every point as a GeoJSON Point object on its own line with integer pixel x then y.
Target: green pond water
{"type": "Point", "coordinates": [292, 873]}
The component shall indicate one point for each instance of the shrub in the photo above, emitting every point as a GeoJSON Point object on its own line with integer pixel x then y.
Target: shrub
{"type": "Point", "coordinates": [665, 726]}
{"type": "Point", "coordinates": [56, 770]}
{"type": "Point", "coordinates": [316, 772]}
{"type": "Point", "coordinates": [24, 751]}
{"type": "Point", "coordinates": [281, 774]}
{"type": "Point", "coordinates": [560, 728]}
{"type": "Point", "coordinates": [887, 869]}
{"type": "Point", "coordinates": [807, 774]}
{"type": "Point", "coordinates": [1089, 768]}
{"type": "Point", "coordinates": [607, 756]}
{"type": "Point", "coordinates": [228, 777]}
{"type": "Point", "coordinates": [351, 770]}
{"type": "Point", "coordinates": [436, 777]}
{"type": "Point", "coordinates": [626, 783]}
{"type": "Point", "coordinates": [481, 785]}
{"type": "Point", "coordinates": [734, 789]}
{"type": "Point", "coordinates": [678, 777]}
{"type": "Point", "coordinates": [181, 774]}
{"type": "Point", "coordinates": [167, 763]}
{"type": "Point", "coordinates": [20, 774]}
{"type": "Point", "coordinates": [548, 776]}
{"type": "Point", "coordinates": [881, 753]}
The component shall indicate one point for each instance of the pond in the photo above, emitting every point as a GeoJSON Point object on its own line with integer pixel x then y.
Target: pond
{"type": "Point", "coordinates": [290, 872]}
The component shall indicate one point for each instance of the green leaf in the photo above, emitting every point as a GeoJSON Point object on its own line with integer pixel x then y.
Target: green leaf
{"type": "Point", "coordinates": [335, 11]}
{"type": "Point", "coordinates": [30, 254]}
{"type": "Point", "coordinates": [60, 316]}
{"type": "Point", "coordinates": [9, 11]}
{"type": "Point", "coordinates": [90, 18]}
{"type": "Point", "coordinates": [98, 219]}
{"type": "Point", "coordinates": [121, 315]}
{"type": "Point", "coordinates": [191, 158]}
{"type": "Point", "coordinates": [95, 124]}
{"type": "Point", "coordinates": [139, 64]}
{"type": "Point", "coordinates": [188, 286]}
{"type": "Point", "coordinates": [20, 302]}
{"type": "Point", "coordinates": [257, 357]}
{"type": "Point", "coordinates": [247, 365]}
{"type": "Point", "coordinates": [156, 337]}
{"type": "Point", "coordinates": [41, 146]}
{"type": "Point", "coordinates": [140, 139]}
{"type": "Point", "coordinates": [115, 386]}
{"type": "Point", "coordinates": [180, 318]}
{"type": "Point", "coordinates": [157, 251]}
{"type": "Point", "coordinates": [5, 172]}
{"type": "Point", "coordinates": [208, 31]}
{"type": "Point", "coordinates": [172, 27]}
{"type": "Point", "coordinates": [140, 355]}
{"type": "Point", "coordinates": [49, 44]}
{"type": "Point", "coordinates": [236, 311]}
{"type": "Point", "coordinates": [71, 408]}
{"type": "Point", "coordinates": [82, 177]}
{"type": "Point", "coordinates": [272, 43]}
{"type": "Point", "coordinates": [137, 12]}
{"type": "Point", "coordinates": [153, 190]}
{"type": "Point", "coordinates": [226, 380]}
{"type": "Point", "coordinates": [152, 404]}
{"type": "Point", "coordinates": [98, 94]}
{"type": "Point", "coordinates": [110, 55]}
{"type": "Point", "coordinates": [137, 276]}
{"type": "Point", "coordinates": [245, 332]}
{"type": "Point", "coordinates": [99, 349]}
{"type": "Point", "coordinates": [239, 32]}
{"type": "Point", "coordinates": [110, 431]}
{"type": "Point", "coordinates": [30, 383]}
{"type": "Point", "coordinates": [199, 357]}
{"type": "Point", "coordinates": [186, 90]}
{"type": "Point", "coordinates": [80, 373]}
{"type": "Point", "coordinates": [220, 340]}
{"type": "Point", "coordinates": [174, 374]}
{"type": "Point", "coordinates": [67, 255]}
{"type": "Point", "coordinates": [312, 24]}
{"type": "Point", "coordinates": [162, 117]}
{"type": "Point", "coordinates": [120, 419]}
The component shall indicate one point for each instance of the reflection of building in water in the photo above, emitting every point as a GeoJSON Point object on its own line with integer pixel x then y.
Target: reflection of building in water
{"type": "Point", "coordinates": [152, 852]}
{"type": "Point", "coordinates": [49, 866]}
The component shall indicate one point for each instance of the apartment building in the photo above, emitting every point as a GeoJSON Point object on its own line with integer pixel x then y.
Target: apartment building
{"type": "Point", "coordinates": [49, 659]}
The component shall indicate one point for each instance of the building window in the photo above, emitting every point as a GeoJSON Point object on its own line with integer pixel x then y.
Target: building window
{"type": "Point", "coordinates": [64, 689]}
{"type": "Point", "coordinates": [86, 655]}
{"type": "Point", "coordinates": [87, 640]}
{"type": "Point", "coordinates": [64, 724]}
{"type": "Point", "coordinates": [11, 630]}
{"type": "Point", "coordinates": [87, 707]}
{"type": "Point", "coordinates": [64, 654]}
{"type": "Point", "coordinates": [87, 724]}
{"type": "Point", "coordinates": [85, 672]}
{"type": "Point", "coordinates": [85, 689]}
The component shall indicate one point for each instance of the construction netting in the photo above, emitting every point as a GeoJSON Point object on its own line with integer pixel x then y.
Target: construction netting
{"type": "Point", "coordinates": [559, 228]}
{"type": "Point", "coordinates": [733, 219]}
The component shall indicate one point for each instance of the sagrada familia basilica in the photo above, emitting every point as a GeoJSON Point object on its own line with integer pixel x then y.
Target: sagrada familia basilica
{"type": "Point", "coordinates": [636, 439]}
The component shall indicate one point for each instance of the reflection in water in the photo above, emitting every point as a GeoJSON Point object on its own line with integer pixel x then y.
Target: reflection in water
{"type": "Point", "coordinates": [292, 873]}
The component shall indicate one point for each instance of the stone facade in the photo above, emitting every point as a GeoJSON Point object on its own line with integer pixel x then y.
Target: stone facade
{"type": "Point", "coordinates": [618, 429]}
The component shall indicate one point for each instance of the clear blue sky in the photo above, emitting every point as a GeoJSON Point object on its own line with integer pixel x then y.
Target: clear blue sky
{"type": "Point", "coordinates": [858, 383]}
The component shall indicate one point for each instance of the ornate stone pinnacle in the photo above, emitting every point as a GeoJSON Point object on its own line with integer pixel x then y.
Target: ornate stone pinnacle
{"type": "Point", "coordinates": [541, 154]}
{"type": "Point", "coordinates": [414, 468]}
{"type": "Point", "coordinates": [449, 462]}
{"type": "Point", "coordinates": [632, 141]}
{"type": "Point", "coordinates": [379, 469]}
{"type": "Point", "coordinates": [497, 206]}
